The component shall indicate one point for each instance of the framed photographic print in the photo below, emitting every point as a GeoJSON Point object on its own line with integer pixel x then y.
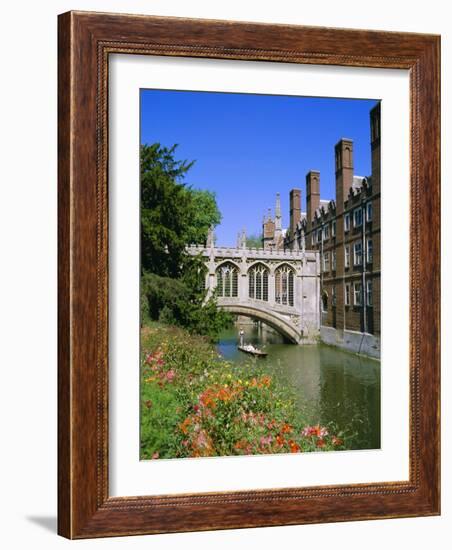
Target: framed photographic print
{"type": "Point", "coordinates": [248, 275]}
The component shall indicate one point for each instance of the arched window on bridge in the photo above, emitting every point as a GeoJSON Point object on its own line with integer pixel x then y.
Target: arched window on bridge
{"type": "Point", "coordinates": [284, 280]}
{"type": "Point", "coordinates": [258, 282]}
{"type": "Point", "coordinates": [227, 280]}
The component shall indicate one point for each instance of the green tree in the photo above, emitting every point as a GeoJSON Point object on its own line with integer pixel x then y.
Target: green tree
{"type": "Point", "coordinates": [173, 215]}
{"type": "Point", "coordinates": [165, 207]}
{"type": "Point", "coordinates": [254, 241]}
{"type": "Point", "coordinates": [204, 214]}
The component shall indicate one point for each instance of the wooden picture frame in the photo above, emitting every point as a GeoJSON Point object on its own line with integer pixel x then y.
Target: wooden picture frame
{"type": "Point", "coordinates": [86, 40]}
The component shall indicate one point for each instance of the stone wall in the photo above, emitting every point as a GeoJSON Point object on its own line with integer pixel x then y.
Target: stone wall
{"type": "Point", "coordinates": [353, 341]}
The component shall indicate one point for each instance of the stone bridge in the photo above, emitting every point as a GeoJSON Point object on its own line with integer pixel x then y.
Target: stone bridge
{"type": "Point", "coordinates": [280, 288]}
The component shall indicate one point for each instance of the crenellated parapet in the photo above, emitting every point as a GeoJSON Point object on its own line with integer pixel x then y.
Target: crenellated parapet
{"type": "Point", "coordinates": [255, 253]}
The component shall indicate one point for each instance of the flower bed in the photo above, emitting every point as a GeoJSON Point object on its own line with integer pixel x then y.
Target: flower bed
{"type": "Point", "coordinates": [196, 404]}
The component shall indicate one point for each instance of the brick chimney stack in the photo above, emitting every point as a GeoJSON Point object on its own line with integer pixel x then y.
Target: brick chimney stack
{"type": "Point", "coordinates": [344, 171]}
{"type": "Point", "coordinates": [312, 196]}
{"type": "Point", "coordinates": [295, 211]}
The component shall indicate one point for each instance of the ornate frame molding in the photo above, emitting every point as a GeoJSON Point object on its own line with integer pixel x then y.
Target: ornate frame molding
{"type": "Point", "coordinates": [85, 42]}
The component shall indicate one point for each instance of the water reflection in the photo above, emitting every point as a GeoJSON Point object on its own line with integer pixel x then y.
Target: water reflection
{"type": "Point", "coordinates": [331, 385]}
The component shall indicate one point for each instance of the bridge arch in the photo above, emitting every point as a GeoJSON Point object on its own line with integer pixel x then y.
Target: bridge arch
{"type": "Point", "coordinates": [277, 322]}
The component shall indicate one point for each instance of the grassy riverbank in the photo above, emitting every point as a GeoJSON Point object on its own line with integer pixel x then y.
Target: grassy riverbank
{"type": "Point", "coordinates": [194, 403]}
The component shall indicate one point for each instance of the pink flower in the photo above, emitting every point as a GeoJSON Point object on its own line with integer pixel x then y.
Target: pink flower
{"type": "Point", "coordinates": [323, 432]}
{"type": "Point", "coordinates": [317, 431]}
{"type": "Point", "coordinates": [155, 455]}
{"type": "Point", "coordinates": [266, 440]}
{"type": "Point", "coordinates": [170, 375]}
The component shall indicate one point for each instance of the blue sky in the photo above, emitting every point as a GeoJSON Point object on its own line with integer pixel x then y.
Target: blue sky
{"type": "Point", "coordinates": [248, 147]}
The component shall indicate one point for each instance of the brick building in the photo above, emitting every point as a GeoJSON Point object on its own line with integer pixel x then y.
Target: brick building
{"type": "Point", "coordinates": [346, 232]}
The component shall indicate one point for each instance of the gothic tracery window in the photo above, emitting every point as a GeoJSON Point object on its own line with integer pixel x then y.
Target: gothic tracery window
{"type": "Point", "coordinates": [227, 280]}
{"type": "Point", "coordinates": [258, 282]}
{"type": "Point", "coordinates": [284, 285]}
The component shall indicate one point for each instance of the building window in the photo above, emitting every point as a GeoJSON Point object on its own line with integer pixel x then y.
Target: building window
{"type": "Point", "coordinates": [313, 238]}
{"type": "Point", "coordinates": [258, 282]}
{"type": "Point", "coordinates": [326, 261]}
{"type": "Point", "coordinates": [333, 260]}
{"type": "Point", "coordinates": [357, 217]}
{"type": "Point", "coordinates": [369, 299]}
{"type": "Point", "coordinates": [333, 296]}
{"type": "Point", "coordinates": [319, 235]}
{"type": "Point", "coordinates": [326, 232]}
{"type": "Point", "coordinates": [324, 301]}
{"type": "Point", "coordinates": [357, 294]}
{"type": "Point", "coordinates": [284, 281]}
{"type": "Point", "coordinates": [346, 222]}
{"type": "Point", "coordinates": [370, 251]}
{"type": "Point", "coordinates": [358, 253]}
{"type": "Point", "coordinates": [347, 255]}
{"type": "Point", "coordinates": [227, 280]}
{"type": "Point", "coordinates": [369, 211]}
{"type": "Point", "coordinates": [333, 228]}
{"type": "Point", "coordinates": [347, 294]}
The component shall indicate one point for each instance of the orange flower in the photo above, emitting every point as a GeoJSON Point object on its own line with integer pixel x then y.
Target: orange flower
{"type": "Point", "coordinates": [294, 448]}
{"type": "Point", "coordinates": [320, 443]}
{"type": "Point", "coordinates": [207, 398]}
{"type": "Point", "coordinates": [280, 439]}
{"type": "Point", "coordinates": [266, 381]}
{"type": "Point", "coordinates": [286, 428]}
{"type": "Point", "coordinates": [336, 440]}
{"type": "Point", "coordinates": [185, 425]}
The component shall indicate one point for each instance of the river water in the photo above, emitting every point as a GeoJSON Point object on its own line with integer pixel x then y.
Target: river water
{"type": "Point", "coordinates": [331, 385]}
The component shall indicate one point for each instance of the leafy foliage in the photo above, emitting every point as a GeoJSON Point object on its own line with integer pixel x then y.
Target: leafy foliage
{"type": "Point", "coordinates": [180, 302]}
{"type": "Point", "coordinates": [173, 215]}
{"type": "Point", "coordinates": [204, 214]}
{"type": "Point", "coordinates": [254, 241]}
